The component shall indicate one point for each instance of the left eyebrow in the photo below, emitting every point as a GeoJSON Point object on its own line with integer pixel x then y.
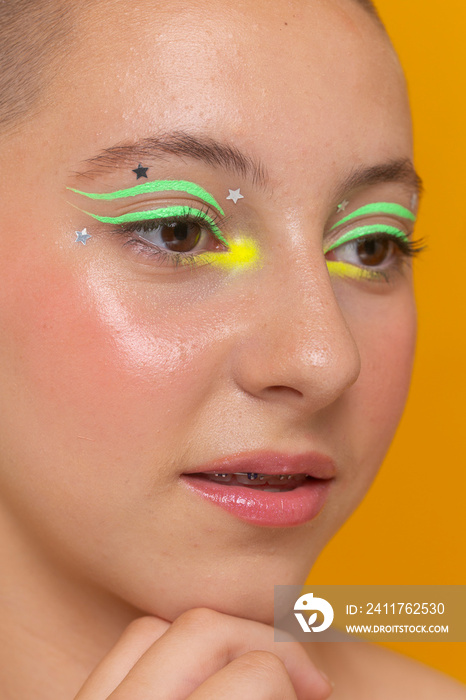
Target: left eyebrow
{"type": "Point", "coordinates": [178, 143]}
{"type": "Point", "coordinates": [397, 171]}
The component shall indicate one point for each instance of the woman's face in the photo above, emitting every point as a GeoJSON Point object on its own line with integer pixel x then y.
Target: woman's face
{"type": "Point", "coordinates": [121, 371]}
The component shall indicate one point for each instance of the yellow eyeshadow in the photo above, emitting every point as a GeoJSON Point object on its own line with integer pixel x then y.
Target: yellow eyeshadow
{"type": "Point", "coordinates": [241, 253]}
{"type": "Point", "coordinates": [337, 268]}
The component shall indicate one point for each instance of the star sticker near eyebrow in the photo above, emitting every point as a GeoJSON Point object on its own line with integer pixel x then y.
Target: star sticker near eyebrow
{"type": "Point", "coordinates": [342, 206]}
{"type": "Point", "coordinates": [82, 236]}
{"type": "Point", "coordinates": [140, 171]}
{"type": "Point", "coordinates": [235, 195]}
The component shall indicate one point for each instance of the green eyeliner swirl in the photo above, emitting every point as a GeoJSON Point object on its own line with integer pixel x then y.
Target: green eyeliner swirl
{"type": "Point", "coordinates": [164, 213]}
{"type": "Point", "coordinates": [378, 208]}
{"type": "Point", "coordinates": [156, 186]}
{"type": "Point", "coordinates": [361, 231]}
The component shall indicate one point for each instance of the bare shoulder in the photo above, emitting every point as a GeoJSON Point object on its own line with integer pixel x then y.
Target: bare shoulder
{"type": "Point", "coordinates": [363, 671]}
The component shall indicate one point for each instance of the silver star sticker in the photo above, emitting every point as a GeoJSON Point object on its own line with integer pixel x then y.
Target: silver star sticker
{"type": "Point", "coordinates": [235, 195]}
{"type": "Point", "coordinates": [342, 206]}
{"type": "Point", "coordinates": [82, 236]}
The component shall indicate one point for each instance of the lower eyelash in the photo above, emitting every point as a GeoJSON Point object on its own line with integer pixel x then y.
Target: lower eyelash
{"type": "Point", "coordinates": [169, 257]}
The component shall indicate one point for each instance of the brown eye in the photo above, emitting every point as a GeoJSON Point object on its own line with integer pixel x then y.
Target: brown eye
{"type": "Point", "coordinates": [372, 252]}
{"type": "Point", "coordinates": [181, 237]}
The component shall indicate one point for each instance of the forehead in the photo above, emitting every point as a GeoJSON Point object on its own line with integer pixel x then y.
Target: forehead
{"type": "Point", "coordinates": [302, 80]}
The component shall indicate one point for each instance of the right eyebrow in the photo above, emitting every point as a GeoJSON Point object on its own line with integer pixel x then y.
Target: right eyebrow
{"type": "Point", "coordinates": [401, 171]}
{"type": "Point", "coordinates": [178, 143]}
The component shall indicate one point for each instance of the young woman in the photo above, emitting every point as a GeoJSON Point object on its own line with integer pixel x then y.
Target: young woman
{"type": "Point", "coordinates": [208, 328]}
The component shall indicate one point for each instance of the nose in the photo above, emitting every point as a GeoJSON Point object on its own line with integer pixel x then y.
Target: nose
{"type": "Point", "coordinates": [296, 348]}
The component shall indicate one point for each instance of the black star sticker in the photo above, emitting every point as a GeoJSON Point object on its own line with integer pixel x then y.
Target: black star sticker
{"type": "Point", "coordinates": [140, 171]}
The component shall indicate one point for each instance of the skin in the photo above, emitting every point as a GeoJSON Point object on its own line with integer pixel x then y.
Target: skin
{"type": "Point", "coordinates": [118, 375]}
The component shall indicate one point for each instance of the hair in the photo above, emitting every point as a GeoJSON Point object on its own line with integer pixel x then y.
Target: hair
{"type": "Point", "coordinates": [33, 39]}
{"type": "Point", "coordinates": [35, 35]}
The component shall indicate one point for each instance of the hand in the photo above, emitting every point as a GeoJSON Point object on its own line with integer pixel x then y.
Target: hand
{"type": "Point", "coordinates": [204, 655]}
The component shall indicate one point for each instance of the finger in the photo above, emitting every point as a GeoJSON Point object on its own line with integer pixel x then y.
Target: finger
{"type": "Point", "coordinates": [256, 675]}
{"type": "Point", "coordinates": [201, 642]}
{"type": "Point", "coordinates": [135, 640]}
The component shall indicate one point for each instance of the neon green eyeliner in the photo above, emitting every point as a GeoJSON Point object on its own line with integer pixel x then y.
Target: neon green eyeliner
{"type": "Point", "coordinates": [165, 213]}
{"type": "Point", "coordinates": [361, 231]}
{"type": "Point", "coordinates": [378, 208]}
{"type": "Point", "coordinates": [156, 186]}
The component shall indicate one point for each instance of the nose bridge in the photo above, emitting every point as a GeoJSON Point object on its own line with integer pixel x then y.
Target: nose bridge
{"type": "Point", "coordinates": [299, 339]}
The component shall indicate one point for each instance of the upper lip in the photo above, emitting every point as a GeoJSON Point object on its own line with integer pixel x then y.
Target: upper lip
{"type": "Point", "coordinates": [314, 464]}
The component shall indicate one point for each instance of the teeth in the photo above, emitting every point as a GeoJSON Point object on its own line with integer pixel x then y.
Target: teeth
{"type": "Point", "coordinates": [255, 479]}
{"type": "Point", "coordinates": [250, 479]}
{"type": "Point", "coordinates": [222, 477]}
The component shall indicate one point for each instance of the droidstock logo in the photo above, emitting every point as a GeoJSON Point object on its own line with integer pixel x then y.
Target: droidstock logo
{"type": "Point", "coordinates": [308, 604]}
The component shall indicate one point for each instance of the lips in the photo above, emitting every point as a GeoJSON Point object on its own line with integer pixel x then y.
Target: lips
{"type": "Point", "coordinates": [303, 484]}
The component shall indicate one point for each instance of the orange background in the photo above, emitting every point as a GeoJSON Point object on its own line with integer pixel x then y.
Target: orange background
{"type": "Point", "coordinates": [411, 527]}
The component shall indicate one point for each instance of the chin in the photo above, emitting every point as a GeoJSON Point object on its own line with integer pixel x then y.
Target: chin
{"type": "Point", "coordinates": [237, 591]}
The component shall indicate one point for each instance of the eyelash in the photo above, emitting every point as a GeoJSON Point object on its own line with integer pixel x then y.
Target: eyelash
{"type": "Point", "coordinates": [167, 257]}
{"type": "Point", "coordinates": [408, 249]}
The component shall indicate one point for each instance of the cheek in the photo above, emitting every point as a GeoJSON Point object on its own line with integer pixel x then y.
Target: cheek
{"type": "Point", "coordinates": [361, 424]}
{"type": "Point", "coordinates": [87, 370]}
{"type": "Point", "coordinates": [387, 344]}
{"type": "Point", "coordinates": [387, 360]}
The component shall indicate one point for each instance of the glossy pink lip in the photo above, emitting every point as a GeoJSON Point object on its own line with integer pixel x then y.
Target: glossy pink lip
{"type": "Point", "coordinates": [265, 508]}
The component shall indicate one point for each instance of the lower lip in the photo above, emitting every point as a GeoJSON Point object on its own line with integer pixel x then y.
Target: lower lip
{"type": "Point", "coordinates": [266, 508]}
